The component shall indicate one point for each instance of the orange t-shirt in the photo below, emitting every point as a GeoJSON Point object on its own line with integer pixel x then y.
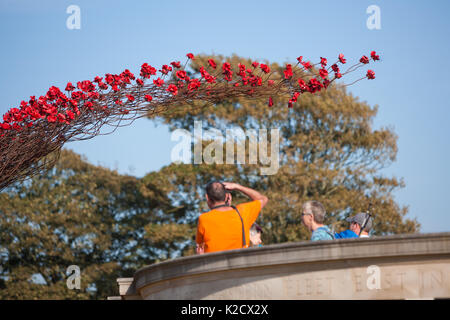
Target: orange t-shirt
{"type": "Point", "coordinates": [222, 230]}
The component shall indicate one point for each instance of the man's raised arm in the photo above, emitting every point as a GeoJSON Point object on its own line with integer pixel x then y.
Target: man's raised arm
{"type": "Point", "coordinates": [252, 194]}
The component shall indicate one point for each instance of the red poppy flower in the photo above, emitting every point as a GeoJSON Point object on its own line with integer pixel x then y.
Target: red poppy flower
{"type": "Point", "coordinates": [165, 69]}
{"type": "Point", "coordinates": [370, 74]}
{"type": "Point", "coordinates": [323, 62]}
{"type": "Point", "coordinates": [314, 85]}
{"type": "Point", "coordinates": [210, 79]}
{"type": "Point", "coordinates": [51, 118]}
{"type": "Point", "coordinates": [374, 56]}
{"type": "Point", "coordinates": [7, 117]}
{"type": "Point", "coordinates": [335, 67]}
{"type": "Point", "coordinates": [299, 59]}
{"type": "Point", "coordinates": [255, 64]}
{"type": "Point", "coordinates": [176, 64]}
{"type": "Point", "coordinates": [130, 97]}
{"type": "Point", "coordinates": [146, 71]}
{"type": "Point", "coordinates": [158, 82]}
{"type": "Point", "coordinates": [295, 97]}
{"type": "Point", "coordinates": [259, 81]}
{"type": "Point", "coordinates": [16, 127]}
{"type": "Point", "coordinates": [110, 79]}
{"type": "Point", "coordinates": [288, 71]}
{"type": "Point", "coordinates": [212, 63]}
{"type": "Point", "coordinates": [190, 56]}
{"type": "Point", "coordinates": [70, 115]}
{"type": "Point", "coordinates": [302, 85]}
{"type": "Point", "coordinates": [242, 69]}
{"type": "Point", "coordinates": [270, 101]}
{"type": "Point", "coordinates": [140, 82]}
{"type": "Point", "coordinates": [94, 95]}
{"type": "Point", "coordinates": [203, 71]}
{"type": "Point", "coordinates": [53, 93]}
{"type": "Point", "coordinates": [228, 76]}
{"type": "Point", "coordinates": [128, 74]}
{"type": "Point", "coordinates": [73, 102]}
{"type": "Point", "coordinates": [6, 126]}
{"type": "Point", "coordinates": [265, 68]}
{"type": "Point", "coordinates": [341, 59]}
{"type": "Point", "coordinates": [61, 117]}
{"type": "Point", "coordinates": [172, 89]}
{"type": "Point", "coordinates": [226, 66]}
{"type": "Point", "coordinates": [207, 76]}
{"type": "Point", "coordinates": [194, 84]}
{"type": "Point", "coordinates": [181, 74]}
{"type": "Point", "coordinates": [323, 73]}
{"type": "Point", "coordinates": [69, 87]}
{"type": "Point", "coordinates": [364, 60]}
{"type": "Point", "coordinates": [307, 65]}
{"type": "Point", "coordinates": [148, 98]}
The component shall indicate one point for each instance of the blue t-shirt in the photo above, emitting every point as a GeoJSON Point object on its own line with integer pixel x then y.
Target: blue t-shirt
{"type": "Point", "coordinates": [322, 233]}
{"type": "Point", "coordinates": [345, 234]}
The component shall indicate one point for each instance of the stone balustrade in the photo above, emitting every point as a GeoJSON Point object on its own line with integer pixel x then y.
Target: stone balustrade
{"type": "Point", "coordinates": [389, 267]}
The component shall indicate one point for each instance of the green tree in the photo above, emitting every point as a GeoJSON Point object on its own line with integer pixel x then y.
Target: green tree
{"type": "Point", "coordinates": [79, 214]}
{"type": "Point", "coordinates": [329, 151]}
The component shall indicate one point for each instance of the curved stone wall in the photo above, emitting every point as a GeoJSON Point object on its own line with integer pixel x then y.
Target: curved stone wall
{"type": "Point", "coordinates": [393, 267]}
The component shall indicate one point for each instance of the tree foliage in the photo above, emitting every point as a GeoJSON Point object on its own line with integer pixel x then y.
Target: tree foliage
{"type": "Point", "coordinates": [79, 214]}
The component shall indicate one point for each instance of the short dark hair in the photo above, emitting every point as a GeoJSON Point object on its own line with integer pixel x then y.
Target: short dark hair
{"type": "Point", "coordinates": [216, 191]}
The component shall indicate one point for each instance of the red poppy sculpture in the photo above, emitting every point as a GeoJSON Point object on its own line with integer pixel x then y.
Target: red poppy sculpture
{"type": "Point", "coordinates": [41, 126]}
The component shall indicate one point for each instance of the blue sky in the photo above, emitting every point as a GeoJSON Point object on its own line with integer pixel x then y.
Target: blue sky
{"type": "Point", "coordinates": [39, 51]}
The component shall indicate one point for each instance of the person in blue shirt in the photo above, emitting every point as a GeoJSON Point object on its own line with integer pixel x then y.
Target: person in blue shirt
{"type": "Point", "coordinates": [313, 216]}
{"type": "Point", "coordinates": [356, 222]}
{"type": "Point", "coordinates": [346, 234]}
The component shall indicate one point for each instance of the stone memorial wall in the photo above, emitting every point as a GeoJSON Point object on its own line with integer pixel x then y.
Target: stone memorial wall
{"type": "Point", "coordinates": [392, 267]}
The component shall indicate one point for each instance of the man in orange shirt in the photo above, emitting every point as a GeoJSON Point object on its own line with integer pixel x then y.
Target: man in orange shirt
{"type": "Point", "coordinates": [226, 227]}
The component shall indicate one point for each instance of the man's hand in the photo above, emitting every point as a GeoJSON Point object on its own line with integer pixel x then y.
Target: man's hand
{"type": "Point", "coordinates": [252, 194]}
{"type": "Point", "coordinates": [231, 185]}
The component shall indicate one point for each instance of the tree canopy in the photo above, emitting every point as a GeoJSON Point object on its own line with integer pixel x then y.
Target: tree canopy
{"type": "Point", "coordinates": [80, 214]}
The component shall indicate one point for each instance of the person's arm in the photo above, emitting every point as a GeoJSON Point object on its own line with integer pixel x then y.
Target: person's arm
{"type": "Point", "coordinates": [200, 244]}
{"type": "Point", "coordinates": [252, 194]}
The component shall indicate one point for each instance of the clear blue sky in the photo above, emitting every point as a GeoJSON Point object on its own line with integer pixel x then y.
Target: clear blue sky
{"type": "Point", "coordinates": [39, 51]}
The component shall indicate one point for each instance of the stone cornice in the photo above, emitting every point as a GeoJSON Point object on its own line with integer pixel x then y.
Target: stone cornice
{"type": "Point", "coordinates": [298, 252]}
